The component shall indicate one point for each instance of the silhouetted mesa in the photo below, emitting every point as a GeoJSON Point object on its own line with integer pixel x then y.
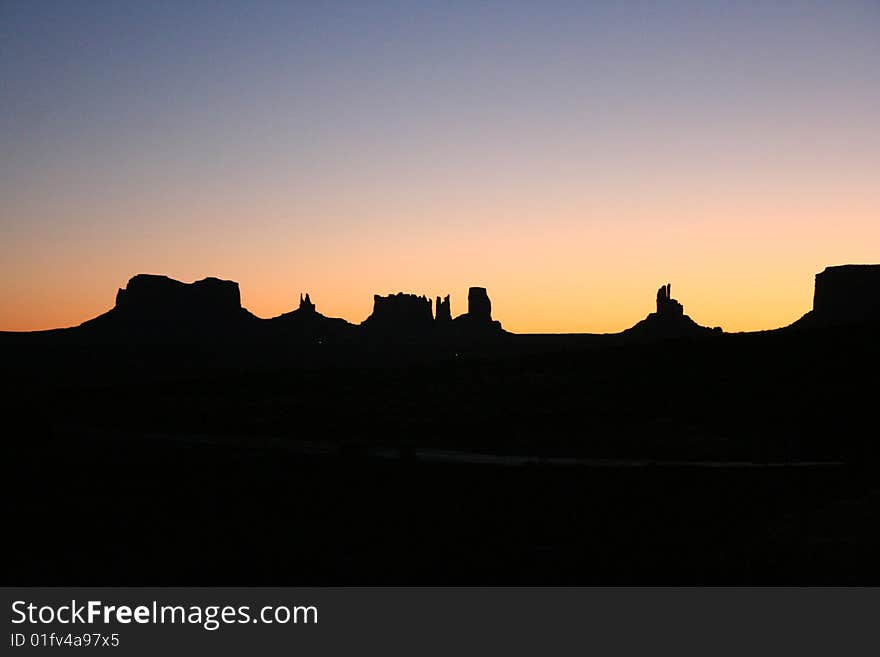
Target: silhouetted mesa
{"type": "Point", "coordinates": [846, 294]}
{"type": "Point", "coordinates": [149, 295]}
{"type": "Point", "coordinates": [443, 310]}
{"type": "Point", "coordinates": [158, 307]}
{"type": "Point", "coordinates": [669, 321]}
{"type": "Point", "coordinates": [400, 312]}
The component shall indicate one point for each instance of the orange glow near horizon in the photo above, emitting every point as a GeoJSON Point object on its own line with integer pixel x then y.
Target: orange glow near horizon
{"type": "Point", "coordinates": [547, 272]}
{"type": "Point", "coordinates": [569, 157]}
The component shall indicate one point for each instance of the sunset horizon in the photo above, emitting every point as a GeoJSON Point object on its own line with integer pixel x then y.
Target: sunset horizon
{"type": "Point", "coordinates": [458, 305]}
{"type": "Point", "coordinates": [570, 159]}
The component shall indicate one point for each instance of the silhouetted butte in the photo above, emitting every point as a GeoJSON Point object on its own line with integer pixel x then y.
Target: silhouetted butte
{"type": "Point", "coordinates": [844, 294]}
{"type": "Point", "coordinates": [669, 321]}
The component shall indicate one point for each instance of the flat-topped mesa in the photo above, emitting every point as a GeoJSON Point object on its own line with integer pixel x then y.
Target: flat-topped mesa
{"type": "Point", "coordinates": [159, 309]}
{"type": "Point", "coordinates": [847, 294]}
{"type": "Point", "coordinates": [443, 310]}
{"type": "Point", "coordinates": [666, 305]}
{"type": "Point", "coordinates": [400, 311]}
{"type": "Point", "coordinates": [148, 295]}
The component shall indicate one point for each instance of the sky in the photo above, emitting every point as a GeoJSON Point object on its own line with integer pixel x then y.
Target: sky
{"type": "Point", "coordinates": [569, 156]}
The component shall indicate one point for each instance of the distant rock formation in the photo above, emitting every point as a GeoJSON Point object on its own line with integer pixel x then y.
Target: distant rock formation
{"type": "Point", "coordinates": [161, 309]}
{"type": "Point", "coordinates": [305, 309]}
{"type": "Point", "coordinates": [443, 311]}
{"type": "Point", "coordinates": [479, 306]}
{"type": "Point", "coordinates": [400, 313]}
{"type": "Point", "coordinates": [306, 305]}
{"type": "Point", "coordinates": [669, 321]}
{"type": "Point", "coordinates": [846, 294]}
{"type": "Point", "coordinates": [306, 324]}
{"type": "Point", "coordinates": [148, 295]}
{"type": "Point", "coordinates": [666, 305]}
{"type": "Point", "coordinates": [407, 314]}
{"type": "Point", "coordinates": [158, 308]}
{"type": "Point", "coordinates": [152, 307]}
{"type": "Point", "coordinates": [479, 315]}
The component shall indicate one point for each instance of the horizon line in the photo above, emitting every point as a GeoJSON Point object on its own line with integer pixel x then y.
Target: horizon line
{"type": "Point", "coordinates": [427, 297]}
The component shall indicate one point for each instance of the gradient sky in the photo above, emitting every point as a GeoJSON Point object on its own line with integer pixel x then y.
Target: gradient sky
{"type": "Point", "coordinates": [569, 156]}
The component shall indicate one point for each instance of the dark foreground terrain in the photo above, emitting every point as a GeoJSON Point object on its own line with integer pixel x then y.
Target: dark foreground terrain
{"type": "Point", "coordinates": [731, 459]}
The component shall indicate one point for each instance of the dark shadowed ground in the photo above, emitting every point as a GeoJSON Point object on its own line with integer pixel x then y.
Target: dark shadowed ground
{"type": "Point", "coordinates": [730, 459]}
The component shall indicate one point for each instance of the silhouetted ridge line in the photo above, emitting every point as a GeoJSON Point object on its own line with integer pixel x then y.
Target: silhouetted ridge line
{"type": "Point", "coordinates": [155, 308]}
{"type": "Point", "coordinates": [158, 308]}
